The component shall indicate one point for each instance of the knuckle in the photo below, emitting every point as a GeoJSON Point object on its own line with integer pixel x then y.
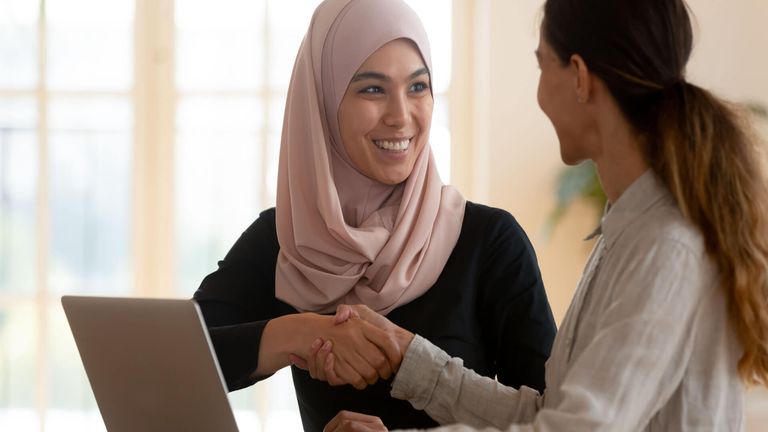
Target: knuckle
{"type": "Point", "coordinates": [380, 362]}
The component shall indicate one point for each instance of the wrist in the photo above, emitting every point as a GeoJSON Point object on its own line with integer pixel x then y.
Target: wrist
{"type": "Point", "coordinates": [295, 333]}
{"type": "Point", "coordinates": [404, 339]}
{"type": "Point", "coordinates": [303, 329]}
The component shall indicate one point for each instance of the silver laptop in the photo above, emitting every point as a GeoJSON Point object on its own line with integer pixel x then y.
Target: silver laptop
{"type": "Point", "coordinates": [150, 364]}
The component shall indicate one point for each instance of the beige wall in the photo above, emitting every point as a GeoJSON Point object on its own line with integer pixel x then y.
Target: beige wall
{"type": "Point", "coordinates": [505, 151]}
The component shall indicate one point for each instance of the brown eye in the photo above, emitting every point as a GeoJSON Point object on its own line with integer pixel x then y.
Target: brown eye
{"type": "Point", "coordinates": [371, 90]}
{"type": "Point", "coordinates": [419, 87]}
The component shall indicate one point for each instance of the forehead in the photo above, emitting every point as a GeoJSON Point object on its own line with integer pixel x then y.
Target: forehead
{"type": "Point", "coordinates": [399, 54]}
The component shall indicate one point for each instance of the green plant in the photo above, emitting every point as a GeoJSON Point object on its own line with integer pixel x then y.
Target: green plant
{"type": "Point", "coordinates": [575, 183]}
{"type": "Point", "coordinates": [580, 182]}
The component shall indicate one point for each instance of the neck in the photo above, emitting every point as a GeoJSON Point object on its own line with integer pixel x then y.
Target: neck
{"type": "Point", "coordinates": [621, 161]}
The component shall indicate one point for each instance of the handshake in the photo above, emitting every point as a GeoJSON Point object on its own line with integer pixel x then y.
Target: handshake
{"type": "Point", "coordinates": [359, 347]}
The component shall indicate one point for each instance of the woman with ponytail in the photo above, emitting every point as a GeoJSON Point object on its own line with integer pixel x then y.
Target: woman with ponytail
{"type": "Point", "coordinates": [670, 319]}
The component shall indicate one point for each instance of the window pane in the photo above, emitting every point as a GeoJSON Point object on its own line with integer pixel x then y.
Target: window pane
{"type": "Point", "coordinates": [90, 174]}
{"type": "Point", "coordinates": [275, 398]}
{"type": "Point", "coordinates": [76, 38]}
{"type": "Point", "coordinates": [72, 404]}
{"type": "Point", "coordinates": [18, 43]}
{"type": "Point", "coordinates": [283, 408]}
{"type": "Point", "coordinates": [18, 194]}
{"type": "Point", "coordinates": [219, 45]}
{"type": "Point", "coordinates": [218, 178]}
{"type": "Point", "coordinates": [18, 360]}
{"type": "Point", "coordinates": [274, 135]}
{"type": "Point", "coordinates": [288, 22]}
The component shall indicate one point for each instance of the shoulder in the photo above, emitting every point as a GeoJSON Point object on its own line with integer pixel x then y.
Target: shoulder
{"type": "Point", "coordinates": [664, 231]}
{"type": "Point", "coordinates": [264, 224]}
{"type": "Point", "coordinates": [258, 240]}
{"type": "Point", "coordinates": [483, 218]}
{"type": "Point", "coordinates": [496, 233]}
{"type": "Point", "coordinates": [661, 254]}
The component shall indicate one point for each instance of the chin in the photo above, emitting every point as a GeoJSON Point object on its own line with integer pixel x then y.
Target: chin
{"type": "Point", "coordinates": [392, 178]}
{"type": "Point", "coordinates": [571, 161]}
{"type": "Point", "coordinates": [392, 181]}
{"type": "Point", "coordinates": [570, 153]}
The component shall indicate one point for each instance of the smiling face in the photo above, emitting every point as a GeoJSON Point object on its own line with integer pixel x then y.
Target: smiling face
{"type": "Point", "coordinates": [386, 112]}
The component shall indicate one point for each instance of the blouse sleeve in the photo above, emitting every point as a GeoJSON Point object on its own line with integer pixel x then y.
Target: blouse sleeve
{"type": "Point", "coordinates": [513, 308]}
{"type": "Point", "coordinates": [237, 301]}
{"type": "Point", "coordinates": [623, 376]}
{"type": "Point", "coordinates": [450, 393]}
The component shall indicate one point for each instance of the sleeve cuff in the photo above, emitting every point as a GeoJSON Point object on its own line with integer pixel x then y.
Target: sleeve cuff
{"type": "Point", "coordinates": [419, 371]}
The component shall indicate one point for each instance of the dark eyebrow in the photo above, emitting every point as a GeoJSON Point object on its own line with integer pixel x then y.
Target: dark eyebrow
{"type": "Point", "coordinates": [370, 75]}
{"type": "Point", "coordinates": [382, 77]}
{"type": "Point", "coordinates": [422, 71]}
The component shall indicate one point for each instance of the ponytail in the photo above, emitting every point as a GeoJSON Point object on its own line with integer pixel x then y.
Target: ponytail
{"type": "Point", "coordinates": [710, 161]}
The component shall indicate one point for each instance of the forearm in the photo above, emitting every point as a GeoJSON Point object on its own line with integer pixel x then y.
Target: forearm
{"type": "Point", "coordinates": [289, 334]}
{"type": "Point", "coordinates": [450, 393]}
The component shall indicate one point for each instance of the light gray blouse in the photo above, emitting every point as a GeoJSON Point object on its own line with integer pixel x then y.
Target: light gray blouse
{"type": "Point", "coordinates": [646, 344]}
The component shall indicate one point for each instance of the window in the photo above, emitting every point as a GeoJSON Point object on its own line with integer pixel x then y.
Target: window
{"type": "Point", "coordinates": [138, 138]}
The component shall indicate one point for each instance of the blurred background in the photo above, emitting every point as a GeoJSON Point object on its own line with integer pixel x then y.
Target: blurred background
{"type": "Point", "coordinates": [139, 138]}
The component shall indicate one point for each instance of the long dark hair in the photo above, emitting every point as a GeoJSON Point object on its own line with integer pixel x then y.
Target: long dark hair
{"type": "Point", "coordinates": [700, 146]}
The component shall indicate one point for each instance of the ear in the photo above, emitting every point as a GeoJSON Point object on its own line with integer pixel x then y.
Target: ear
{"type": "Point", "coordinates": [581, 80]}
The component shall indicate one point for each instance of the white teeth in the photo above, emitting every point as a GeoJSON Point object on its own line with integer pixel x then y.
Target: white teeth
{"type": "Point", "coordinates": [401, 145]}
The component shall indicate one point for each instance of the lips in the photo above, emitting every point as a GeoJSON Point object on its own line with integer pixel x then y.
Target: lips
{"type": "Point", "coordinates": [393, 145]}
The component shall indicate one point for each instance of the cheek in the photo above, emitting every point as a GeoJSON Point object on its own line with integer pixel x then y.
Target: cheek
{"type": "Point", "coordinates": [539, 93]}
{"type": "Point", "coordinates": [355, 120]}
{"type": "Point", "coordinates": [423, 116]}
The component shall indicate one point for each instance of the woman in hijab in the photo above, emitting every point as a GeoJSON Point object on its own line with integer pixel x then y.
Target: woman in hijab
{"type": "Point", "coordinates": [670, 318]}
{"type": "Point", "coordinates": [363, 217]}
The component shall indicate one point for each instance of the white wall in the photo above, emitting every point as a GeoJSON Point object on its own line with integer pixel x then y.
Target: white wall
{"type": "Point", "coordinates": [505, 150]}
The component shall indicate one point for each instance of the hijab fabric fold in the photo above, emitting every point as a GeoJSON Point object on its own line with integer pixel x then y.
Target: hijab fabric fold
{"type": "Point", "coordinates": [346, 238]}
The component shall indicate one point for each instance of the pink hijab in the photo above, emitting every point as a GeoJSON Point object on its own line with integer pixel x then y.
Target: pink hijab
{"type": "Point", "coordinates": [345, 238]}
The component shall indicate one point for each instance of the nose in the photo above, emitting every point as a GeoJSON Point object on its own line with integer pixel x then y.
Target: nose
{"type": "Point", "coordinates": [397, 109]}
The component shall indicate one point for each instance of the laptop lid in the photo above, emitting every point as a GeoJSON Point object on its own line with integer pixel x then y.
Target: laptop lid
{"type": "Point", "coordinates": [150, 364]}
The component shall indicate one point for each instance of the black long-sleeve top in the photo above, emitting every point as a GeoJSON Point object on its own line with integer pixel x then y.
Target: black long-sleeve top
{"type": "Point", "coordinates": [488, 307]}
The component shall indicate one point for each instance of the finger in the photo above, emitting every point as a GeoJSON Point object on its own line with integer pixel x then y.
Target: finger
{"type": "Point", "coordinates": [368, 314]}
{"type": "Point", "coordinates": [363, 366]}
{"type": "Point", "coordinates": [386, 343]}
{"type": "Point", "coordinates": [344, 313]}
{"type": "Point", "coordinates": [298, 362]}
{"type": "Point", "coordinates": [376, 359]}
{"type": "Point", "coordinates": [348, 374]}
{"type": "Point", "coordinates": [330, 372]}
{"type": "Point", "coordinates": [311, 358]}
{"type": "Point", "coordinates": [320, 360]}
{"type": "Point", "coordinates": [345, 419]}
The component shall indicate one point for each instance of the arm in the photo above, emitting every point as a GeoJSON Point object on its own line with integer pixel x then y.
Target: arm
{"type": "Point", "coordinates": [625, 374]}
{"type": "Point", "coordinates": [440, 385]}
{"type": "Point", "coordinates": [237, 301]}
{"type": "Point", "coordinates": [253, 333]}
{"type": "Point", "coordinates": [450, 393]}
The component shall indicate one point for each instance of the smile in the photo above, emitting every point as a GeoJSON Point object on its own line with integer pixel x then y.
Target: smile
{"type": "Point", "coordinates": [400, 145]}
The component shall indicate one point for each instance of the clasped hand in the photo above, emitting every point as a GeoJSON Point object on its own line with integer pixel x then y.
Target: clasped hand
{"type": "Point", "coordinates": [362, 347]}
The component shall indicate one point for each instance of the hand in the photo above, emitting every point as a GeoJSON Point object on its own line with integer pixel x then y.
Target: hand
{"type": "Point", "coordinates": [353, 352]}
{"type": "Point", "coordinates": [354, 422]}
{"type": "Point", "coordinates": [322, 363]}
{"type": "Point", "coordinates": [402, 336]}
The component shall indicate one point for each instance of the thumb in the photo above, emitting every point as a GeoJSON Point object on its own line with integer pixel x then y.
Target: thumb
{"type": "Point", "coordinates": [345, 313]}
